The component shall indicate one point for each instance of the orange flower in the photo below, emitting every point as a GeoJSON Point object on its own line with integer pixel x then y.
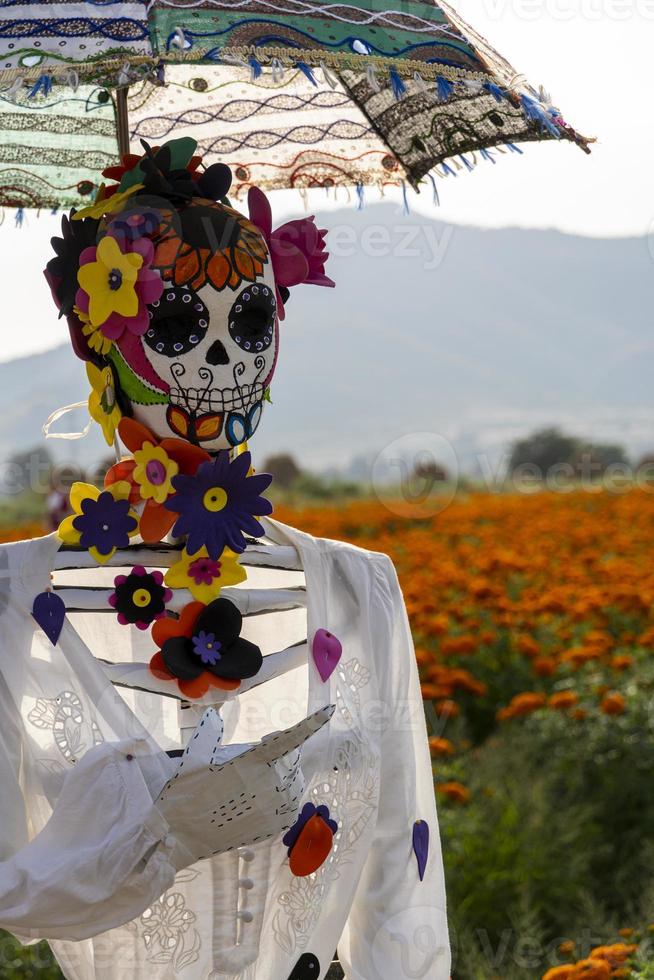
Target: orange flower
{"type": "Point", "coordinates": [559, 973]}
{"type": "Point", "coordinates": [544, 666]}
{"type": "Point", "coordinates": [566, 948]}
{"type": "Point", "coordinates": [626, 933]}
{"type": "Point", "coordinates": [612, 704]}
{"type": "Point", "coordinates": [622, 661]}
{"type": "Point", "coordinates": [522, 704]}
{"type": "Point", "coordinates": [562, 700]}
{"type": "Point", "coordinates": [456, 792]}
{"type": "Point", "coordinates": [447, 709]}
{"type": "Point", "coordinates": [615, 954]}
{"type": "Point", "coordinates": [440, 746]}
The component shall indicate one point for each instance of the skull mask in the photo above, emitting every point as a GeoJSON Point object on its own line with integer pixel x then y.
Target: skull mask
{"type": "Point", "coordinates": [176, 297]}
{"type": "Point", "coordinates": [203, 366]}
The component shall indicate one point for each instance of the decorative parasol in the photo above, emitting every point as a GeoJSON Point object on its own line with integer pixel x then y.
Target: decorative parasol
{"type": "Point", "coordinates": [288, 93]}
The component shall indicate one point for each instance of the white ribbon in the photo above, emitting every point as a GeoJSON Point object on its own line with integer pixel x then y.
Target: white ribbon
{"type": "Point", "coordinates": [58, 414]}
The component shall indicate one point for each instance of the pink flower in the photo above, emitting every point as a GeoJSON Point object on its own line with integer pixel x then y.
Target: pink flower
{"type": "Point", "coordinates": [148, 287]}
{"type": "Point", "coordinates": [297, 248]}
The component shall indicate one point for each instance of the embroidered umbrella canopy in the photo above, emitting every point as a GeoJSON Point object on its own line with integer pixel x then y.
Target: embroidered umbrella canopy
{"type": "Point", "coordinates": [288, 93]}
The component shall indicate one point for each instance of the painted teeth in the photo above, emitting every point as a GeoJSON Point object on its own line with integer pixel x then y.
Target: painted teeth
{"type": "Point", "coordinates": [217, 399]}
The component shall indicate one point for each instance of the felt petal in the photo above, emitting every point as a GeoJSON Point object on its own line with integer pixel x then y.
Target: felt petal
{"type": "Point", "coordinates": [312, 848]}
{"type": "Point", "coordinates": [260, 211]}
{"type": "Point", "coordinates": [195, 688]}
{"type": "Point", "coordinates": [242, 659]}
{"type": "Point", "coordinates": [122, 472]}
{"type": "Point", "coordinates": [150, 286]}
{"type": "Point", "coordinates": [67, 532]}
{"type": "Point", "coordinates": [165, 629]}
{"type": "Point", "coordinates": [156, 522]}
{"type": "Point", "coordinates": [80, 491]}
{"type": "Point", "coordinates": [421, 845]}
{"type": "Point", "coordinates": [177, 654]}
{"type": "Point", "coordinates": [290, 265]}
{"type": "Point", "coordinates": [134, 434]}
{"type": "Point", "coordinates": [223, 619]}
{"type": "Point", "coordinates": [158, 667]}
{"type": "Point", "coordinates": [187, 457]}
{"type": "Point", "coordinates": [49, 610]}
{"type": "Point", "coordinates": [326, 650]}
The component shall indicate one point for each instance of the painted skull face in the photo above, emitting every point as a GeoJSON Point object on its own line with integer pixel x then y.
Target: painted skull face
{"type": "Point", "coordinates": [201, 370]}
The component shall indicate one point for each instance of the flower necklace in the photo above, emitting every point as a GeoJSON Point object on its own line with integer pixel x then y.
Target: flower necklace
{"type": "Point", "coordinates": [170, 486]}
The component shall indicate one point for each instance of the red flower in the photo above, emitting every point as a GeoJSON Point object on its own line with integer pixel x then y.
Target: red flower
{"type": "Point", "coordinates": [297, 248]}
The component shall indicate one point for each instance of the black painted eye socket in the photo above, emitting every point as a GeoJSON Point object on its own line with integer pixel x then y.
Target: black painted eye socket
{"type": "Point", "coordinates": [178, 322]}
{"type": "Point", "coordinates": [252, 318]}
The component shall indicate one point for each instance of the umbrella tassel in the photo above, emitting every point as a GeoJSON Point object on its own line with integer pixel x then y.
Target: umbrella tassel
{"type": "Point", "coordinates": [329, 77]}
{"type": "Point", "coordinates": [434, 188]}
{"type": "Point", "coordinates": [178, 39]}
{"type": "Point", "coordinates": [360, 195]}
{"type": "Point", "coordinates": [444, 88]}
{"type": "Point", "coordinates": [513, 148]}
{"type": "Point", "coordinates": [277, 70]}
{"type": "Point", "coordinates": [255, 68]}
{"type": "Point", "coordinates": [306, 70]}
{"type": "Point", "coordinates": [486, 155]}
{"type": "Point", "coordinates": [447, 170]}
{"type": "Point", "coordinates": [405, 198]}
{"type": "Point", "coordinates": [42, 84]}
{"type": "Point", "coordinates": [397, 84]}
{"type": "Point", "coordinates": [494, 90]}
{"type": "Point", "coordinates": [371, 76]}
{"type": "Point", "coordinates": [535, 113]}
{"type": "Point", "coordinates": [467, 163]}
{"type": "Point", "coordinates": [420, 83]}
{"type": "Point", "coordinates": [19, 217]}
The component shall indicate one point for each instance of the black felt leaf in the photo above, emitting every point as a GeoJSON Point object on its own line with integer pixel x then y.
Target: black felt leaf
{"type": "Point", "coordinates": [215, 182]}
{"type": "Point", "coordinates": [179, 658]}
{"type": "Point", "coordinates": [62, 269]}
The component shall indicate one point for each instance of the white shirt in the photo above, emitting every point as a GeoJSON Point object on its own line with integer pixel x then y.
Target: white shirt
{"type": "Point", "coordinates": [86, 857]}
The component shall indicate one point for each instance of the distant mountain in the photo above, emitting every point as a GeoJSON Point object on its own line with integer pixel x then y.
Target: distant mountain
{"type": "Point", "coordinates": [476, 335]}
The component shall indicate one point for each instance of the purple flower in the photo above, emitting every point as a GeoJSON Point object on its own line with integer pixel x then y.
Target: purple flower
{"type": "Point", "coordinates": [140, 597]}
{"type": "Point", "coordinates": [308, 811]}
{"type": "Point", "coordinates": [135, 223]}
{"type": "Point", "coordinates": [104, 523]}
{"type": "Point", "coordinates": [207, 647]}
{"type": "Point", "coordinates": [218, 504]}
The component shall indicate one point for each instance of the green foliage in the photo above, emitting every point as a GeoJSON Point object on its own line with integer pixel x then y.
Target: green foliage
{"type": "Point", "coordinates": [34, 962]}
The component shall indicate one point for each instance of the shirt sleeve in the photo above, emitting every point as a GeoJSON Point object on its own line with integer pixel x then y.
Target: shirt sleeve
{"type": "Point", "coordinates": [397, 927]}
{"type": "Point", "coordinates": [101, 859]}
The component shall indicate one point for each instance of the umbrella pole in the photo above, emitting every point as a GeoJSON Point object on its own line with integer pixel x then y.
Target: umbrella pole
{"type": "Point", "coordinates": [122, 120]}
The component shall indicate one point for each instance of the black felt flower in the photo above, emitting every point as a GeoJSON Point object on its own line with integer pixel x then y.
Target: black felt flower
{"type": "Point", "coordinates": [140, 597]}
{"type": "Point", "coordinates": [204, 641]}
{"type": "Point", "coordinates": [61, 271]}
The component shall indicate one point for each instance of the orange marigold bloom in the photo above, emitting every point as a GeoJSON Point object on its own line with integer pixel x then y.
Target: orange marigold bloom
{"type": "Point", "coordinates": [523, 704]}
{"type": "Point", "coordinates": [591, 969]}
{"type": "Point", "coordinates": [613, 704]}
{"type": "Point", "coordinates": [544, 666]}
{"type": "Point", "coordinates": [559, 973]}
{"type": "Point", "coordinates": [615, 954]}
{"type": "Point", "coordinates": [561, 700]}
{"type": "Point", "coordinates": [527, 645]}
{"type": "Point", "coordinates": [626, 933]}
{"type": "Point", "coordinates": [566, 947]}
{"type": "Point", "coordinates": [441, 746]}
{"type": "Point", "coordinates": [447, 709]}
{"type": "Point", "coordinates": [622, 661]}
{"type": "Point", "coordinates": [454, 791]}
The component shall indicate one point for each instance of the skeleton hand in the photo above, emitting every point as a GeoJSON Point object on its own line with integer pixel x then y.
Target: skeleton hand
{"type": "Point", "coordinates": [223, 797]}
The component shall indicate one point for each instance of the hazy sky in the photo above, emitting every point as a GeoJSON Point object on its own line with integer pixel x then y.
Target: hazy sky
{"type": "Point", "coordinates": [593, 56]}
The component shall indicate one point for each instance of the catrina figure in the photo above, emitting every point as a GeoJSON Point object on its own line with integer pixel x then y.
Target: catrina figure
{"type": "Point", "coordinates": [174, 298]}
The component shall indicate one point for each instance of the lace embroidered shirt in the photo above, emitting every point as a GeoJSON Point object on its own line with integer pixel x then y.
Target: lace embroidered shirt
{"type": "Point", "coordinates": [86, 857]}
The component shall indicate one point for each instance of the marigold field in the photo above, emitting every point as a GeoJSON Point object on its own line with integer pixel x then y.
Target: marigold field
{"type": "Point", "coordinates": [533, 619]}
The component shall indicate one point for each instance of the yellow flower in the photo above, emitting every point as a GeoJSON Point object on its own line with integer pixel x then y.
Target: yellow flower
{"type": "Point", "coordinates": [102, 526]}
{"type": "Point", "coordinates": [107, 205]}
{"type": "Point", "coordinates": [96, 339]}
{"type": "Point", "coordinates": [153, 472]}
{"type": "Point", "coordinates": [110, 282]}
{"type": "Point", "coordinates": [103, 407]}
{"type": "Point", "coordinates": [204, 577]}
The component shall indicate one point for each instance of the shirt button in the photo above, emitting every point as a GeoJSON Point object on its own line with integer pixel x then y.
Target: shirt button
{"type": "Point", "coordinates": [248, 855]}
{"type": "Point", "coordinates": [246, 883]}
{"type": "Point", "coordinates": [169, 841]}
{"type": "Point", "coordinates": [246, 916]}
{"type": "Point", "coordinates": [129, 757]}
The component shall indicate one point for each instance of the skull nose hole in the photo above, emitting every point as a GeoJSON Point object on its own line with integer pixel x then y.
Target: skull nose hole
{"type": "Point", "coordinates": [217, 354]}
